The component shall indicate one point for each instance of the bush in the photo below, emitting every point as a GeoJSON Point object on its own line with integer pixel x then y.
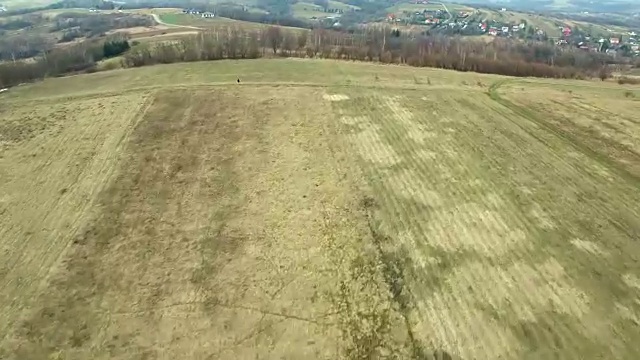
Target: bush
{"type": "Point", "coordinates": [628, 80]}
{"type": "Point", "coordinates": [115, 48]}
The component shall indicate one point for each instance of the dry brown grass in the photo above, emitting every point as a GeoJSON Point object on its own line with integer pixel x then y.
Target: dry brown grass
{"type": "Point", "coordinates": [319, 209]}
{"type": "Point", "coordinates": [56, 158]}
{"type": "Point", "coordinates": [235, 223]}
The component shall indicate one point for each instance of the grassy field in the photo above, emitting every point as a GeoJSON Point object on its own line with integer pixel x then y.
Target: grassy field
{"type": "Point", "coordinates": [319, 209]}
{"type": "Point", "coordinates": [399, 8]}
{"type": "Point", "coordinates": [212, 23]}
{"type": "Point", "coordinates": [25, 4]}
{"type": "Point", "coordinates": [308, 9]}
{"type": "Point", "coordinates": [597, 29]}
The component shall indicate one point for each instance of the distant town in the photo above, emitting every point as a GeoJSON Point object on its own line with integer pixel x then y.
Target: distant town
{"type": "Point", "coordinates": [472, 23]}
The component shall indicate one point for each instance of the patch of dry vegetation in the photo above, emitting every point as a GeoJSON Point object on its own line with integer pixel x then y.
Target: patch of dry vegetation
{"type": "Point", "coordinates": [498, 220]}
{"type": "Point", "coordinates": [56, 157]}
{"type": "Point", "coordinates": [236, 223]}
{"type": "Point", "coordinates": [318, 210]}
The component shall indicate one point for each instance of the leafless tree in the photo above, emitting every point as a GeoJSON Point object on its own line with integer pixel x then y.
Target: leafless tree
{"type": "Point", "coordinates": [273, 37]}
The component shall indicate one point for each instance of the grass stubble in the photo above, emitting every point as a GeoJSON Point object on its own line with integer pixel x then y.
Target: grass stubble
{"type": "Point", "coordinates": [389, 219]}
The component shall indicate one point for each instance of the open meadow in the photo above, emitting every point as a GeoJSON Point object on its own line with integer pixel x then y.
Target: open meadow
{"type": "Point", "coordinates": [318, 209]}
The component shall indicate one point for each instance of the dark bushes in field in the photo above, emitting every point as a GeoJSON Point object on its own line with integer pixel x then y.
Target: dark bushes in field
{"type": "Point", "coordinates": [115, 47]}
{"type": "Point", "coordinates": [80, 57]}
{"type": "Point", "coordinates": [628, 80]}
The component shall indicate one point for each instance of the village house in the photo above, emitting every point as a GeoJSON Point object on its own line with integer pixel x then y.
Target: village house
{"type": "Point", "coordinates": [207, 14]}
{"type": "Point", "coordinates": [614, 41]}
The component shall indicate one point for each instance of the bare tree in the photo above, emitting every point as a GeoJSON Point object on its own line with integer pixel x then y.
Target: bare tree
{"type": "Point", "coordinates": [273, 37]}
{"type": "Point", "coordinates": [302, 39]}
{"type": "Point", "coordinates": [253, 46]}
{"type": "Point", "coordinates": [288, 43]}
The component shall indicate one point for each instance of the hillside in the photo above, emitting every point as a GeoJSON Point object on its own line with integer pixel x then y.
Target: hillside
{"type": "Point", "coordinates": [318, 209]}
{"type": "Point", "coordinates": [456, 19]}
{"type": "Point", "coordinates": [605, 6]}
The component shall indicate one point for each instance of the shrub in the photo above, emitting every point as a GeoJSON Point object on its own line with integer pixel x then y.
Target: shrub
{"type": "Point", "coordinates": [628, 80]}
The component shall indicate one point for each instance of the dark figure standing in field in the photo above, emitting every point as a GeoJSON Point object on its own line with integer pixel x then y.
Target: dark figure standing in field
{"type": "Point", "coordinates": [238, 80]}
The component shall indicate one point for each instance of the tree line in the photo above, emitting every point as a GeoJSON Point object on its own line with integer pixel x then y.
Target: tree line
{"type": "Point", "coordinates": [378, 45]}
{"type": "Point", "coordinates": [62, 61]}
{"type": "Point", "coordinates": [23, 46]}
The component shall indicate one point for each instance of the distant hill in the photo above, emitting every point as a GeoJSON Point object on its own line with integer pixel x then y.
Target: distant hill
{"type": "Point", "coordinates": [562, 5]}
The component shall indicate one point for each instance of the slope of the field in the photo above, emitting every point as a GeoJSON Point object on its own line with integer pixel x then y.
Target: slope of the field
{"type": "Point", "coordinates": [318, 209]}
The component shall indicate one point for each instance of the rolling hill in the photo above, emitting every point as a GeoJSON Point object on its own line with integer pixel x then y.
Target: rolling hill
{"type": "Point", "coordinates": [318, 209]}
{"type": "Point", "coordinates": [607, 6]}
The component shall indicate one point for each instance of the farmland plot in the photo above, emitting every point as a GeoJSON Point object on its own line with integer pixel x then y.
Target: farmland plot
{"type": "Point", "coordinates": [512, 241]}
{"type": "Point", "coordinates": [228, 232]}
{"type": "Point", "coordinates": [320, 209]}
{"type": "Point", "coordinates": [55, 157]}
